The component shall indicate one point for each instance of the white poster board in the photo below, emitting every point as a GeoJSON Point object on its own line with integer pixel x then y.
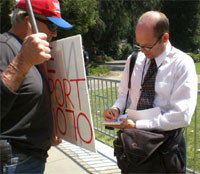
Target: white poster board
{"type": "Point", "coordinates": [65, 73]}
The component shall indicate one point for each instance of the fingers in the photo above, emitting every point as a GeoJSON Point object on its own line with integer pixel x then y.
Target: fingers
{"type": "Point", "coordinates": [42, 36]}
{"type": "Point", "coordinates": [127, 123]}
{"type": "Point", "coordinates": [40, 47]}
{"type": "Point", "coordinates": [124, 120]}
{"type": "Point", "coordinates": [108, 116]}
{"type": "Point", "coordinates": [114, 126]}
{"type": "Point", "coordinates": [111, 114]}
{"type": "Point", "coordinates": [56, 141]}
{"type": "Point", "coordinates": [35, 50]}
{"type": "Point", "coordinates": [44, 50]}
{"type": "Point", "coordinates": [114, 113]}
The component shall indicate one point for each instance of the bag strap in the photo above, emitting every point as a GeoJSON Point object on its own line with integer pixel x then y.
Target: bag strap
{"type": "Point", "coordinates": [131, 67]}
{"type": "Point", "coordinates": [132, 64]}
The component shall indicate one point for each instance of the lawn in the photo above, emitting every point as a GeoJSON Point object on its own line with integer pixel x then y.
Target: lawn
{"type": "Point", "coordinates": [190, 139]}
{"type": "Point", "coordinates": [197, 67]}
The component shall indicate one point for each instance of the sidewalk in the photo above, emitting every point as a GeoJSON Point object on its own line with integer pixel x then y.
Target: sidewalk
{"type": "Point", "coordinates": [71, 159]}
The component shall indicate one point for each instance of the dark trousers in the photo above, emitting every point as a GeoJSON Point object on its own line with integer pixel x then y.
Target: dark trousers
{"type": "Point", "coordinates": [13, 161]}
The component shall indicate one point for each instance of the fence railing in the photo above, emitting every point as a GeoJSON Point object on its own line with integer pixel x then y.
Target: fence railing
{"type": "Point", "coordinates": [103, 91]}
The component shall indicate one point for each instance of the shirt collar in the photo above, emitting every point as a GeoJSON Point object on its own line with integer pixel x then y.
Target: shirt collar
{"type": "Point", "coordinates": [16, 37]}
{"type": "Point", "coordinates": [159, 59]}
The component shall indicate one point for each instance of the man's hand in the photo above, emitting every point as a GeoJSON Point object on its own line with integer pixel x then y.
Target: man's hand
{"type": "Point", "coordinates": [111, 114]}
{"type": "Point", "coordinates": [35, 50]}
{"type": "Point", "coordinates": [56, 140]}
{"type": "Point", "coordinates": [127, 123]}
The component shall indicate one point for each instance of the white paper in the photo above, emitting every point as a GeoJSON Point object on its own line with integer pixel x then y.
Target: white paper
{"type": "Point", "coordinates": [117, 122]}
{"type": "Point", "coordinates": [147, 114]}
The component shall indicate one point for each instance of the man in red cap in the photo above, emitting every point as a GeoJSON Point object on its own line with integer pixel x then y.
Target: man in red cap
{"type": "Point", "coordinates": [26, 121]}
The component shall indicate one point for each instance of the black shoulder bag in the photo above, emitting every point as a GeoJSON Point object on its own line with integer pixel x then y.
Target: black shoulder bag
{"type": "Point", "coordinates": [142, 151]}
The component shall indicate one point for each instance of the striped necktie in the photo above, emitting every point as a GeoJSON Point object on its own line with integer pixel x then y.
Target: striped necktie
{"type": "Point", "coordinates": [148, 88]}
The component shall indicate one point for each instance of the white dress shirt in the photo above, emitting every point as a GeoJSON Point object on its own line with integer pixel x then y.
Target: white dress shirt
{"type": "Point", "coordinates": [175, 89]}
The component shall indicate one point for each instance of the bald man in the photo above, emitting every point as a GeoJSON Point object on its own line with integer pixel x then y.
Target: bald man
{"type": "Point", "coordinates": [175, 87]}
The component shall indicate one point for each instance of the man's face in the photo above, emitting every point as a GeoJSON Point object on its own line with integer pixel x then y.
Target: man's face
{"type": "Point", "coordinates": [47, 27]}
{"type": "Point", "coordinates": [150, 45]}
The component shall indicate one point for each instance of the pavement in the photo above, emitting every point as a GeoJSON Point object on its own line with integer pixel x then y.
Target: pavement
{"type": "Point", "coordinates": [68, 158]}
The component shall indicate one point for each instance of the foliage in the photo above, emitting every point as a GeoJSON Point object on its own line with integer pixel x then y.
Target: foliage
{"type": "Point", "coordinates": [5, 9]}
{"type": "Point", "coordinates": [81, 14]}
{"type": "Point", "coordinates": [107, 58]}
{"type": "Point", "coordinates": [97, 70]}
{"type": "Point", "coordinates": [115, 26]}
{"type": "Point", "coordinates": [104, 25]}
{"type": "Point", "coordinates": [112, 24]}
{"type": "Point", "coordinates": [125, 50]}
{"type": "Point", "coordinates": [195, 57]}
{"type": "Point", "coordinates": [184, 20]}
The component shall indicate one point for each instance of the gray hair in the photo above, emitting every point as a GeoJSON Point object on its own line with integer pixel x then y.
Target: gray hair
{"type": "Point", "coordinates": [18, 15]}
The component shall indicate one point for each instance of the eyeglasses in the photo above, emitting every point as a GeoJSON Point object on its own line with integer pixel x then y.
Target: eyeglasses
{"type": "Point", "coordinates": [150, 48]}
{"type": "Point", "coordinates": [51, 26]}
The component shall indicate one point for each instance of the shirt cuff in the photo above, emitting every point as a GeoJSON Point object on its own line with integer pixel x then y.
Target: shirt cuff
{"type": "Point", "coordinates": [144, 124]}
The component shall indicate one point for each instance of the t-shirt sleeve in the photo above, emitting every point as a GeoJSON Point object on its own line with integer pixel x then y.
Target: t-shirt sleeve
{"type": "Point", "coordinates": [7, 97]}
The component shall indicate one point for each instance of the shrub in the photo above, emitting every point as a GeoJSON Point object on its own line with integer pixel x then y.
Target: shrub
{"type": "Point", "coordinates": [126, 50]}
{"type": "Point", "coordinates": [195, 57]}
{"type": "Point", "coordinates": [97, 70]}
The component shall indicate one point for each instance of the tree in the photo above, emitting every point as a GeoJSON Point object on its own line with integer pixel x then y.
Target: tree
{"type": "Point", "coordinates": [110, 28]}
{"type": "Point", "coordinates": [81, 14]}
{"type": "Point", "coordinates": [184, 20]}
{"type": "Point", "coordinates": [5, 9]}
{"type": "Point", "coordinates": [117, 20]}
{"type": "Point", "coordinates": [116, 23]}
{"type": "Point", "coordinates": [106, 25]}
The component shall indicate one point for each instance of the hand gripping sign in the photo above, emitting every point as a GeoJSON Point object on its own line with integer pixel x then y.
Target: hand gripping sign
{"type": "Point", "coordinates": [65, 74]}
{"type": "Point", "coordinates": [66, 77]}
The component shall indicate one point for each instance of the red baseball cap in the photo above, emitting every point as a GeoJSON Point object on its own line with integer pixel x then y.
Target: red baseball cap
{"type": "Point", "coordinates": [48, 8]}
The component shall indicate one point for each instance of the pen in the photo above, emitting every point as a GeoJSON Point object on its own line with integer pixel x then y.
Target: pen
{"type": "Point", "coordinates": [110, 112]}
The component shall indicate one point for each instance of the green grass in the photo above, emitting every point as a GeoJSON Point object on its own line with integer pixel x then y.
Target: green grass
{"type": "Point", "coordinates": [190, 140]}
{"type": "Point", "coordinates": [99, 106]}
{"type": "Point", "coordinates": [197, 67]}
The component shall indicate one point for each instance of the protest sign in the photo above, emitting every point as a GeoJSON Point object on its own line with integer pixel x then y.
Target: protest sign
{"type": "Point", "coordinates": [65, 73]}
